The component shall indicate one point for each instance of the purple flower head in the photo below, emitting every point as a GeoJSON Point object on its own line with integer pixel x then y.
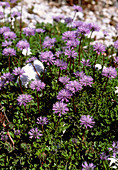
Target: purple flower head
{"type": "Point", "coordinates": [29, 31]}
{"type": "Point", "coordinates": [109, 72]}
{"type": "Point", "coordinates": [79, 74]}
{"type": "Point", "coordinates": [6, 43]}
{"type": "Point", "coordinates": [99, 48]}
{"type": "Point", "coordinates": [114, 148]}
{"type": "Point", "coordinates": [16, 14]}
{"type": "Point", "coordinates": [77, 8]}
{"type": "Point", "coordinates": [86, 81]}
{"type": "Point", "coordinates": [116, 60]}
{"type": "Point", "coordinates": [9, 52]}
{"type": "Point", "coordinates": [30, 60]}
{"type": "Point", "coordinates": [18, 71]}
{"type": "Point", "coordinates": [1, 15]}
{"type": "Point", "coordinates": [60, 107]}
{"type": "Point", "coordinates": [77, 24]}
{"type": "Point", "coordinates": [68, 20]}
{"type": "Point", "coordinates": [69, 35]}
{"type": "Point", "coordinates": [39, 30]}
{"type": "Point", "coordinates": [23, 44]}
{"type": "Point", "coordinates": [93, 27]}
{"type": "Point", "coordinates": [116, 44]}
{"type": "Point", "coordinates": [9, 35]}
{"type": "Point", "coordinates": [70, 53]}
{"type": "Point", "coordinates": [23, 99]}
{"type": "Point", "coordinates": [64, 95]}
{"type": "Point", "coordinates": [58, 53]}
{"type": "Point", "coordinates": [2, 83]}
{"type": "Point", "coordinates": [116, 26]}
{"type": "Point", "coordinates": [49, 42]}
{"type": "Point", "coordinates": [83, 30]}
{"type": "Point", "coordinates": [42, 120]}
{"type": "Point", "coordinates": [4, 137]}
{"type": "Point", "coordinates": [4, 4]}
{"type": "Point", "coordinates": [47, 57]}
{"type": "Point", "coordinates": [35, 133]}
{"type": "Point", "coordinates": [73, 86]}
{"type": "Point", "coordinates": [85, 63]}
{"type": "Point", "coordinates": [13, 1]}
{"type": "Point", "coordinates": [86, 166]}
{"type": "Point", "coordinates": [17, 132]}
{"type": "Point", "coordinates": [64, 80]}
{"type": "Point", "coordinates": [87, 121]}
{"type": "Point", "coordinates": [57, 18]}
{"type": "Point", "coordinates": [103, 156]}
{"type": "Point", "coordinates": [7, 77]}
{"type": "Point", "coordinates": [37, 84]}
{"type": "Point", "coordinates": [4, 29]}
{"type": "Point", "coordinates": [60, 63]}
{"type": "Point", "coordinates": [72, 43]}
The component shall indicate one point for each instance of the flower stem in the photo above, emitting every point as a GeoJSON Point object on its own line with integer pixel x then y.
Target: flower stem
{"type": "Point", "coordinates": [37, 101]}
{"type": "Point", "coordinates": [94, 69]}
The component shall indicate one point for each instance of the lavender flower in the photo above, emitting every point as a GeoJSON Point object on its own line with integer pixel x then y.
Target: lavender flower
{"type": "Point", "coordinates": [23, 44]}
{"type": "Point", "coordinates": [29, 31]}
{"type": "Point", "coordinates": [4, 137]}
{"type": "Point", "coordinates": [34, 133]}
{"type": "Point", "coordinates": [47, 57]}
{"type": "Point", "coordinates": [30, 60]}
{"type": "Point", "coordinates": [116, 26]}
{"type": "Point", "coordinates": [116, 60]}
{"type": "Point", "coordinates": [68, 20]}
{"type": "Point", "coordinates": [116, 44]}
{"type": "Point", "coordinates": [17, 132]}
{"type": "Point", "coordinates": [72, 43]}
{"type": "Point", "coordinates": [87, 166]}
{"type": "Point", "coordinates": [23, 99]}
{"type": "Point", "coordinates": [18, 71]}
{"type": "Point", "coordinates": [39, 30]}
{"type": "Point", "coordinates": [70, 53]}
{"type": "Point", "coordinates": [99, 48]}
{"type": "Point", "coordinates": [79, 74]}
{"type": "Point", "coordinates": [68, 35]}
{"type": "Point", "coordinates": [49, 42]}
{"type": "Point", "coordinates": [83, 30]}
{"type": "Point", "coordinates": [15, 14]}
{"type": "Point", "coordinates": [87, 121]}
{"type": "Point", "coordinates": [9, 52]}
{"type": "Point", "coordinates": [60, 107]}
{"type": "Point", "coordinates": [2, 83]}
{"type": "Point", "coordinates": [7, 77]}
{"type": "Point", "coordinates": [60, 63]}
{"type": "Point", "coordinates": [42, 120]}
{"type": "Point", "coordinates": [93, 27]}
{"type": "Point", "coordinates": [85, 63]}
{"type": "Point", "coordinates": [58, 53]}
{"type": "Point", "coordinates": [6, 43]}
{"type": "Point", "coordinates": [1, 15]}
{"type": "Point", "coordinates": [9, 35]}
{"type": "Point", "coordinates": [77, 8]}
{"type": "Point", "coordinates": [4, 29]}
{"type": "Point", "coordinates": [4, 4]}
{"type": "Point", "coordinates": [114, 148]}
{"type": "Point", "coordinates": [109, 72]}
{"type": "Point", "coordinates": [13, 1]}
{"type": "Point", "coordinates": [103, 156]}
{"type": "Point", "coordinates": [64, 80]}
{"type": "Point", "coordinates": [37, 84]}
{"type": "Point", "coordinates": [64, 95]}
{"type": "Point", "coordinates": [73, 86]}
{"type": "Point", "coordinates": [77, 24]}
{"type": "Point", "coordinates": [86, 80]}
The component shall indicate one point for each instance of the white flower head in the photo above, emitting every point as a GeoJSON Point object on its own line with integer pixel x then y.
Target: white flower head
{"type": "Point", "coordinates": [26, 52]}
{"type": "Point", "coordinates": [113, 161]}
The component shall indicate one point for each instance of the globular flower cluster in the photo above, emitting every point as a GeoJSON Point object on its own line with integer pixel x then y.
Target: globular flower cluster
{"type": "Point", "coordinates": [15, 14]}
{"type": "Point", "coordinates": [6, 43]}
{"type": "Point", "coordinates": [47, 57]}
{"type": "Point", "coordinates": [86, 80]}
{"type": "Point", "coordinates": [23, 99]}
{"type": "Point", "coordinates": [4, 4]}
{"type": "Point", "coordinates": [42, 120]}
{"type": "Point", "coordinates": [83, 30]}
{"type": "Point", "coordinates": [109, 72]}
{"type": "Point", "coordinates": [29, 31]}
{"type": "Point", "coordinates": [64, 80]}
{"type": "Point", "coordinates": [23, 44]}
{"type": "Point", "coordinates": [60, 107]}
{"type": "Point", "coordinates": [64, 95]}
{"type": "Point", "coordinates": [86, 166]}
{"type": "Point", "coordinates": [85, 62]}
{"type": "Point", "coordinates": [1, 15]}
{"type": "Point", "coordinates": [77, 8]}
{"type": "Point", "coordinates": [18, 71]}
{"type": "Point", "coordinates": [70, 53]}
{"type": "Point", "coordinates": [73, 86]}
{"type": "Point", "coordinates": [58, 18]}
{"type": "Point", "coordinates": [37, 84]}
{"type": "Point", "coordinates": [93, 27]}
{"type": "Point", "coordinates": [87, 121]}
{"type": "Point", "coordinates": [114, 148]}
{"type": "Point", "coordinates": [116, 44]}
{"type": "Point", "coordinates": [9, 35]}
{"type": "Point", "coordinates": [68, 35]}
{"type": "Point", "coordinates": [68, 20]}
{"type": "Point", "coordinates": [79, 74]}
{"type": "Point", "coordinates": [35, 133]}
{"type": "Point", "coordinates": [116, 60]}
{"type": "Point", "coordinates": [40, 30]}
{"type": "Point", "coordinates": [99, 48]}
{"type": "Point", "coordinates": [9, 52]}
{"type": "Point", "coordinates": [61, 64]}
{"type": "Point", "coordinates": [49, 42]}
{"type": "Point", "coordinates": [4, 29]}
{"type": "Point", "coordinates": [7, 77]}
{"type": "Point", "coordinates": [30, 60]}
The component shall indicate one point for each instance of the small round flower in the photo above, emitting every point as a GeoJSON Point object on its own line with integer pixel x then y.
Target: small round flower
{"type": "Point", "coordinates": [42, 120]}
{"type": "Point", "coordinates": [6, 43]}
{"type": "Point", "coordinates": [77, 8]}
{"type": "Point", "coordinates": [72, 43]}
{"type": "Point", "coordinates": [29, 31]}
{"type": "Point", "coordinates": [87, 121]}
{"type": "Point", "coordinates": [64, 80]}
{"type": "Point", "coordinates": [15, 14]}
{"type": "Point", "coordinates": [47, 57]}
{"type": "Point", "coordinates": [99, 48]}
{"type": "Point", "coordinates": [93, 27]}
{"type": "Point", "coordinates": [116, 60]}
{"type": "Point", "coordinates": [9, 52]}
{"type": "Point", "coordinates": [1, 15]}
{"type": "Point", "coordinates": [68, 35]}
{"type": "Point", "coordinates": [4, 4]}
{"type": "Point", "coordinates": [83, 30]}
{"type": "Point", "coordinates": [35, 133]}
{"type": "Point", "coordinates": [7, 77]}
{"type": "Point", "coordinates": [73, 86]}
{"type": "Point", "coordinates": [103, 156]}
{"type": "Point", "coordinates": [30, 60]}
{"type": "Point", "coordinates": [109, 72]}
{"type": "Point", "coordinates": [37, 84]}
{"type": "Point", "coordinates": [23, 44]}
{"type": "Point", "coordinates": [64, 94]}
{"type": "Point", "coordinates": [79, 74]}
{"type": "Point", "coordinates": [23, 99]}
{"type": "Point", "coordinates": [39, 30]}
{"type": "Point", "coordinates": [86, 166]}
{"type": "Point", "coordinates": [4, 137]}
{"type": "Point", "coordinates": [70, 53]}
{"type": "Point", "coordinates": [18, 71]}
{"type": "Point", "coordinates": [86, 81]}
{"type": "Point", "coordinates": [60, 107]}
{"type": "Point", "coordinates": [60, 63]}
{"type": "Point", "coordinates": [17, 132]}
{"type": "Point", "coordinates": [9, 35]}
{"type": "Point", "coordinates": [49, 42]}
{"type": "Point", "coordinates": [85, 63]}
{"type": "Point", "coordinates": [68, 20]}
{"type": "Point", "coordinates": [116, 44]}
{"type": "Point", "coordinates": [4, 29]}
